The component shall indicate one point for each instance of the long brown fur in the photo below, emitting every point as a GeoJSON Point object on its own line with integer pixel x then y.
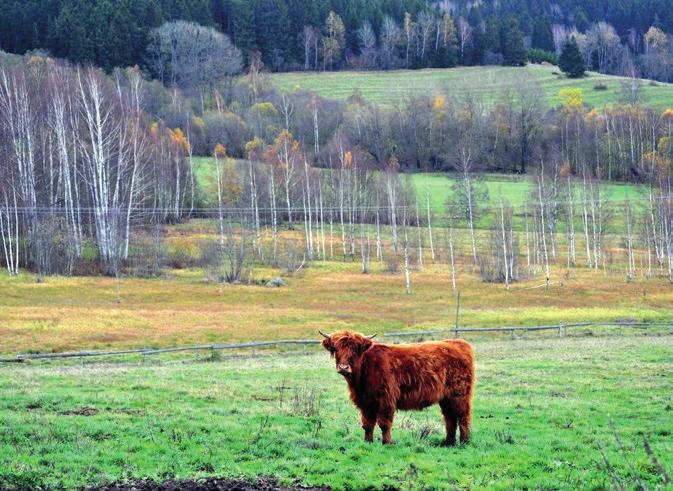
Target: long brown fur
{"type": "Point", "coordinates": [383, 378]}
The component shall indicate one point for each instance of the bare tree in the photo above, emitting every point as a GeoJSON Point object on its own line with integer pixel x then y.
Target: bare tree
{"type": "Point", "coordinates": [308, 41]}
{"type": "Point", "coordinates": [464, 37]}
{"type": "Point", "coordinates": [451, 250]}
{"type": "Point", "coordinates": [426, 26]}
{"type": "Point", "coordinates": [603, 46]}
{"type": "Point", "coordinates": [409, 33]}
{"type": "Point", "coordinates": [106, 162]}
{"type": "Point", "coordinates": [190, 56]}
{"type": "Point", "coordinates": [367, 45]}
{"type": "Point", "coordinates": [18, 119]}
{"type": "Point", "coordinates": [469, 193]}
{"type": "Point", "coordinates": [9, 228]}
{"type": "Point", "coordinates": [390, 38]}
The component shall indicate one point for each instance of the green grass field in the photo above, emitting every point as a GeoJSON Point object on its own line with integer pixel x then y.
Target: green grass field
{"type": "Point", "coordinates": [513, 189]}
{"type": "Point", "coordinates": [541, 414]}
{"type": "Point", "coordinates": [390, 88]}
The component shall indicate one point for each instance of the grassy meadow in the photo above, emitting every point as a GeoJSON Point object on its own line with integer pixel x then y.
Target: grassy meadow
{"type": "Point", "coordinates": [542, 413]}
{"type": "Point", "coordinates": [509, 188]}
{"type": "Point", "coordinates": [73, 313]}
{"type": "Point", "coordinates": [393, 87]}
{"type": "Point", "coordinates": [514, 190]}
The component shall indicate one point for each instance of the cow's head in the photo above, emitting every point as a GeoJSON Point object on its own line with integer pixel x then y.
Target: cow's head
{"type": "Point", "coordinates": [347, 347]}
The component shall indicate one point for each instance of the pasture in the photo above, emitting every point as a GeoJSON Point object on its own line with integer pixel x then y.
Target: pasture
{"type": "Point", "coordinates": [63, 314]}
{"type": "Point", "coordinates": [484, 82]}
{"type": "Point", "coordinates": [509, 188]}
{"type": "Point", "coordinates": [542, 415]}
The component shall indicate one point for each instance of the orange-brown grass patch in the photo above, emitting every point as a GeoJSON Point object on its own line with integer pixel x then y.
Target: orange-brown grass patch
{"type": "Point", "coordinates": [86, 313]}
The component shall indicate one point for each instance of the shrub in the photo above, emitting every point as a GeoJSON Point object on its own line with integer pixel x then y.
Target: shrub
{"type": "Point", "coordinates": [147, 256]}
{"type": "Point", "coordinates": [601, 86]}
{"type": "Point", "coordinates": [52, 252]}
{"type": "Point", "coordinates": [541, 56]}
{"type": "Point", "coordinates": [306, 402]}
{"type": "Point", "coordinates": [182, 254]}
{"type": "Point", "coordinates": [392, 264]}
{"type": "Point", "coordinates": [494, 267]}
{"type": "Point", "coordinates": [276, 282]}
{"type": "Point", "coordinates": [291, 256]}
{"type": "Point", "coordinates": [228, 264]}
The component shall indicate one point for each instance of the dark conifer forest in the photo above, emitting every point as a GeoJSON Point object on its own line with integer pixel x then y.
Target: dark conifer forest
{"type": "Point", "coordinates": [614, 37]}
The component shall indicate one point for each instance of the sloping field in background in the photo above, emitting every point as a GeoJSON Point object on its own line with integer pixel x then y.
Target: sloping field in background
{"type": "Point", "coordinates": [513, 189]}
{"type": "Point", "coordinates": [487, 83]}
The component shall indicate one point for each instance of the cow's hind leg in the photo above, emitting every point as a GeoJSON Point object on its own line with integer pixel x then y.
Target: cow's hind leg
{"type": "Point", "coordinates": [368, 424]}
{"type": "Point", "coordinates": [463, 407]}
{"type": "Point", "coordinates": [450, 421]}
{"type": "Point", "coordinates": [385, 421]}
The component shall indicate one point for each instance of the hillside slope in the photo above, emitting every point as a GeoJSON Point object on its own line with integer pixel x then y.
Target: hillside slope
{"type": "Point", "coordinates": [488, 82]}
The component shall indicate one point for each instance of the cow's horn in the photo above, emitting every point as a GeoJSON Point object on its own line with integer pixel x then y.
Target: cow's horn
{"type": "Point", "coordinates": [372, 336]}
{"type": "Point", "coordinates": [323, 334]}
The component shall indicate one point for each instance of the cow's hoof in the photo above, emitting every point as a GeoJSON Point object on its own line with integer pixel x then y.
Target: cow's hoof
{"type": "Point", "coordinates": [448, 443]}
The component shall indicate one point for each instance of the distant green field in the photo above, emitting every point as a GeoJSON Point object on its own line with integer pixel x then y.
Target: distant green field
{"type": "Point", "coordinates": [512, 189]}
{"type": "Point", "coordinates": [393, 87]}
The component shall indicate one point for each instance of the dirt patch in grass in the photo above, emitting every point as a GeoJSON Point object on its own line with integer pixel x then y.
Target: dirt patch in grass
{"type": "Point", "coordinates": [80, 411]}
{"type": "Point", "coordinates": [211, 484]}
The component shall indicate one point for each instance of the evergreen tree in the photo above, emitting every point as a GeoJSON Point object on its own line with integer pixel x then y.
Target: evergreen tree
{"type": "Point", "coordinates": [513, 47]}
{"type": "Point", "coordinates": [571, 61]}
{"type": "Point", "coordinates": [491, 38]}
{"type": "Point", "coordinates": [273, 37]}
{"type": "Point", "coordinates": [580, 18]}
{"type": "Point", "coordinates": [243, 26]}
{"type": "Point", "coordinates": [542, 37]}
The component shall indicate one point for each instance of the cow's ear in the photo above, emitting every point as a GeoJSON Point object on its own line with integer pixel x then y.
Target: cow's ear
{"type": "Point", "coordinates": [365, 345]}
{"type": "Point", "coordinates": [327, 344]}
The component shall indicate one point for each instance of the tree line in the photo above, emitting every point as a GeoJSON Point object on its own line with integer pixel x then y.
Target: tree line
{"type": "Point", "coordinates": [81, 163]}
{"type": "Point", "coordinates": [615, 37]}
{"type": "Point", "coordinates": [93, 162]}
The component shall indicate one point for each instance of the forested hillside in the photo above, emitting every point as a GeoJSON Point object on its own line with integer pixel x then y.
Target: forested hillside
{"type": "Point", "coordinates": [91, 155]}
{"type": "Point", "coordinates": [615, 37]}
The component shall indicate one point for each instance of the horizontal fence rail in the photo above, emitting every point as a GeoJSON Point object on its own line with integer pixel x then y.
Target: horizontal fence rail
{"type": "Point", "coordinates": [560, 328]}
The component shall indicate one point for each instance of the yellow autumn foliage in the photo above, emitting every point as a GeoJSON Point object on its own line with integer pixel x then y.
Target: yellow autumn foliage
{"type": "Point", "coordinates": [220, 152]}
{"type": "Point", "coordinates": [348, 159]}
{"type": "Point", "coordinates": [439, 103]}
{"type": "Point", "coordinates": [572, 97]}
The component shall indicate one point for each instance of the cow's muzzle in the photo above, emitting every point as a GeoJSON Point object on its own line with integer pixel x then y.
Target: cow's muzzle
{"type": "Point", "coordinates": [344, 369]}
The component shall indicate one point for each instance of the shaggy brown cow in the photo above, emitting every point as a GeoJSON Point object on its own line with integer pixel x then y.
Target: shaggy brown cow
{"type": "Point", "coordinates": [385, 377]}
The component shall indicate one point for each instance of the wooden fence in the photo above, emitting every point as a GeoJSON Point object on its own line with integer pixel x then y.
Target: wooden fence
{"type": "Point", "coordinates": [560, 329]}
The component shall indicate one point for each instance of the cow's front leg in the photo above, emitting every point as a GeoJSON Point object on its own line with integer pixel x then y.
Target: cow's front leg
{"type": "Point", "coordinates": [385, 420]}
{"type": "Point", "coordinates": [368, 424]}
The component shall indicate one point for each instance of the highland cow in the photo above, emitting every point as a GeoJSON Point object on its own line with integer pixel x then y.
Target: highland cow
{"type": "Point", "coordinates": [383, 378]}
